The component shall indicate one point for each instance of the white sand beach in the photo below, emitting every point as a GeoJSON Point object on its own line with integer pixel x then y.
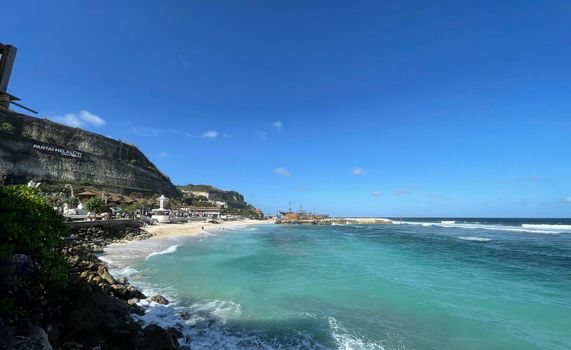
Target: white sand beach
{"type": "Point", "coordinates": [165, 238]}
{"type": "Point", "coordinates": [161, 231]}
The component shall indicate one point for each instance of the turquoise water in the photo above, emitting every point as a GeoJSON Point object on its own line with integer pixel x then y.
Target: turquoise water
{"type": "Point", "coordinates": [421, 285]}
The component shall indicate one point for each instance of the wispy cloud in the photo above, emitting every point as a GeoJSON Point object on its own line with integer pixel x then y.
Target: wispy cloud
{"type": "Point", "coordinates": [376, 194]}
{"type": "Point", "coordinates": [278, 126]}
{"type": "Point", "coordinates": [358, 171]}
{"type": "Point", "coordinates": [262, 134]}
{"type": "Point", "coordinates": [80, 119]}
{"type": "Point", "coordinates": [533, 179]}
{"type": "Point", "coordinates": [401, 192]}
{"type": "Point", "coordinates": [152, 132]}
{"type": "Point", "coordinates": [567, 200]}
{"type": "Point", "coordinates": [210, 134]}
{"type": "Point", "coordinates": [184, 62]}
{"type": "Point", "coordinates": [521, 203]}
{"type": "Point", "coordinates": [158, 132]}
{"type": "Point", "coordinates": [283, 171]}
{"type": "Point", "coordinates": [439, 197]}
{"type": "Point", "coordinates": [163, 155]}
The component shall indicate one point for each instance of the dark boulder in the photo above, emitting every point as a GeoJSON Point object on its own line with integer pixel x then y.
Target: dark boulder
{"type": "Point", "coordinates": [185, 315]}
{"type": "Point", "coordinates": [154, 337]}
{"type": "Point", "coordinates": [135, 293]}
{"type": "Point", "coordinates": [159, 299]}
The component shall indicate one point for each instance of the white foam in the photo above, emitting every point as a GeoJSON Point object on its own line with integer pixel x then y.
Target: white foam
{"type": "Point", "coordinates": [169, 250]}
{"type": "Point", "coordinates": [473, 238]}
{"type": "Point", "coordinates": [448, 222]}
{"type": "Point", "coordinates": [126, 272]}
{"type": "Point", "coordinates": [105, 259]}
{"type": "Point", "coordinates": [547, 227]}
{"type": "Point", "coordinates": [347, 341]}
{"type": "Point", "coordinates": [206, 328]}
{"type": "Point", "coordinates": [552, 229]}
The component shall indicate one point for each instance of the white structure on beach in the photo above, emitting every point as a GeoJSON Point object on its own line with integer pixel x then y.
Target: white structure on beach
{"type": "Point", "coordinates": [161, 215]}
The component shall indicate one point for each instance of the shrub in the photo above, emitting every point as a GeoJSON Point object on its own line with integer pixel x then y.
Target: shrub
{"type": "Point", "coordinates": [49, 139]}
{"type": "Point", "coordinates": [130, 209]}
{"type": "Point", "coordinates": [29, 226]}
{"type": "Point", "coordinates": [7, 127]}
{"type": "Point", "coordinates": [94, 204]}
{"type": "Point", "coordinates": [133, 162]}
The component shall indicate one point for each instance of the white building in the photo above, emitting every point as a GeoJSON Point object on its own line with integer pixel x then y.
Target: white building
{"type": "Point", "coordinates": [205, 212]}
{"type": "Point", "coordinates": [196, 193]}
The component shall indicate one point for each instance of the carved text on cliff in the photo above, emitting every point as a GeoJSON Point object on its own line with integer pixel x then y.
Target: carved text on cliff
{"type": "Point", "coordinates": [63, 152]}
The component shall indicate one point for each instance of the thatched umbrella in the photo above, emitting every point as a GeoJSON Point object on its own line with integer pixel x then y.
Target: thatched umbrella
{"type": "Point", "coordinates": [86, 194]}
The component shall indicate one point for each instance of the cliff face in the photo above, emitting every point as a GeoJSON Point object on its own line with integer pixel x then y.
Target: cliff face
{"type": "Point", "coordinates": [232, 198]}
{"type": "Point", "coordinates": [39, 149]}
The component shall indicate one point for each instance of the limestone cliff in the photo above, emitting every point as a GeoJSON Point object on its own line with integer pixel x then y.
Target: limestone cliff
{"type": "Point", "coordinates": [39, 149]}
{"type": "Point", "coordinates": [232, 198]}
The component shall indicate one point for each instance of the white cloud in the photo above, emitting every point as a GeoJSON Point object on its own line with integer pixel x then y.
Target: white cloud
{"type": "Point", "coordinates": [567, 199]}
{"type": "Point", "coordinates": [283, 171]}
{"type": "Point", "coordinates": [80, 120]}
{"type": "Point", "coordinates": [278, 126]}
{"type": "Point", "coordinates": [163, 155]}
{"type": "Point", "coordinates": [210, 134]}
{"type": "Point", "coordinates": [357, 171]}
{"type": "Point", "coordinates": [262, 134]}
{"type": "Point", "coordinates": [401, 192]}
{"type": "Point", "coordinates": [158, 132]}
{"type": "Point", "coordinates": [376, 194]}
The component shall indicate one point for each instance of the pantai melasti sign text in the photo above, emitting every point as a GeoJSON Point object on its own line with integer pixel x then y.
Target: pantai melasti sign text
{"type": "Point", "coordinates": [63, 152]}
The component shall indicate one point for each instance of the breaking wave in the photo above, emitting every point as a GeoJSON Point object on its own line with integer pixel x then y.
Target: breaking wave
{"type": "Point", "coordinates": [472, 238]}
{"type": "Point", "coordinates": [169, 250]}
{"type": "Point", "coordinates": [208, 325]}
{"type": "Point", "coordinates": [346, 340]}
{"type": "Point", "coordinates": [530, 228]}
{"type": "Point", "coordinates": [546, 227]}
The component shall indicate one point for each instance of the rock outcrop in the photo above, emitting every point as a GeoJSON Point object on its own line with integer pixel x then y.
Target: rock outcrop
{"type": "Point", "coordinates": [42, 150]}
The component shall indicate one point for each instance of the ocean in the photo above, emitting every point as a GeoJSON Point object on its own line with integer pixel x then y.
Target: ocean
{"type": "Point", "coordinates": [441, 283]}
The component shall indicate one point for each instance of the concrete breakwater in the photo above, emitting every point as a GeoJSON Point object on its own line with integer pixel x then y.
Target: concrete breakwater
{"type": "Point", "coordinates": [333, 221]}
{"type": "Point", "coordinates": [362, 221]}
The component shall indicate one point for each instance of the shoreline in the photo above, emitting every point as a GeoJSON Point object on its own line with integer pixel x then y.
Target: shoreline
{"type": "Point", "coordinates": [152, 311]}
{"type": "Point", "coordinates": [191, 229]}
{"type": "Point", "coordinates": [120, 254]}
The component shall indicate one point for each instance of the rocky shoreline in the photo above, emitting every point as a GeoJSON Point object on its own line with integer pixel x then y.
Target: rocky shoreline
{"type": "Point", "coordinates": [94, 310]}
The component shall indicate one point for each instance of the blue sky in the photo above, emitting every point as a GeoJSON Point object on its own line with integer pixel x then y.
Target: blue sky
{"type": "Point", "coordinates": [390, 108]}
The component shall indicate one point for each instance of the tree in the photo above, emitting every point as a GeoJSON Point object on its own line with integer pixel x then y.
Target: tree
{"type": "Point", "coordinates": [130, 209]}
{"type": "Point", "coordinates": [94, 204]}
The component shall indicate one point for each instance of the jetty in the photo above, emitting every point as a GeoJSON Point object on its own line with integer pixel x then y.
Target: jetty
{"type": "Point", "coordinates": [304, 217]}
